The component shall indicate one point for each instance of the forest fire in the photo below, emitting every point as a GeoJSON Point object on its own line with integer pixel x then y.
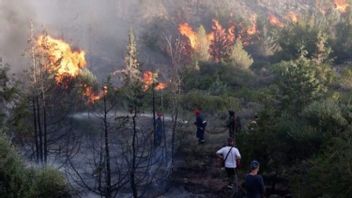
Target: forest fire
{"type": "Point", "coordinates": [202, 40]}
{"type": "Point", "coordinates": [186, 30]}
{"type": "Point", "coordinates": [91, 95]}
{"type": "Point", "coordinates": [61, 60]}
{"type": "Point", "coordinates": [275, 21]}
{"type": "Point", "coordinates": [341, 5]}
{"type": "Point", "coordinates": [149, 78]}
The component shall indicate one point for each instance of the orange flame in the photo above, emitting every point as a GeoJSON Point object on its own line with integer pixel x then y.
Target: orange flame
{"type": "Point", "coordinates": [341, 5]}
{"type": "Point", "coordinates": [149, 78]}
{"type": "Point", "coordinates": [92, 96]}
{"type": "Point", "coordinates": [275, 21]}
{"type": "Point", "coordinates": [62, 60]}
{"type": "Point", "coordinates": [160, 86]}
{"type": "Point", "coordinates": [292, 16]}
{"type": "Point", "coordinates": [186, 30]}
{"type": "Point", "coordinates": [252, 30]}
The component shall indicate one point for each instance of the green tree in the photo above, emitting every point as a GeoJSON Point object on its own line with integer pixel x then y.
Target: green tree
{"type": "Point", "coordinates": [131, 72]}
{"type": "Point", "coordinates": [239, 57]}
{"type": "Point", "coordinates": [301, 81]}
{"type": "Point", "coordinates": [202, 47]}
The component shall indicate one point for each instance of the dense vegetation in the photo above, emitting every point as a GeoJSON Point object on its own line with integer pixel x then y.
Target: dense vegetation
{"type": "Point", "coordinates": [296, 77]}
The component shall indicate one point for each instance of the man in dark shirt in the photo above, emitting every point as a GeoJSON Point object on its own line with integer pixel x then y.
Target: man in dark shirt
{"type": "Point", "coordinates": [254, 183]}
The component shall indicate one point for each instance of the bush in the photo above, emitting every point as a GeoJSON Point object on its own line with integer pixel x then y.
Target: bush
{"type": "Point", "coordinates": [17, 181]}
{"type": "Point", "coordinates": [210, 104]}
{"type": "Point", "coordinates": [330, 171]}
{"type": "Point", "coordinates": [239, 57]}
{"type": "Point", "coordinates": [50, 183]}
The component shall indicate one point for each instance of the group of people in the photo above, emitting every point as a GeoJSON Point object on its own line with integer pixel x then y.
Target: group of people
{"type": "Point", "coordinates": [230, 156]}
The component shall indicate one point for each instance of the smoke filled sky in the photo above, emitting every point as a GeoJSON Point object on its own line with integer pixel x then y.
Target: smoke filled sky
{"type": "Point", "coordinates": [98, 27]}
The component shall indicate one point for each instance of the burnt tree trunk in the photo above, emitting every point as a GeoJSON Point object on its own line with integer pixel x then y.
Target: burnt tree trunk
{"type": "Point", "coordinates": [45, 132]}
{"type": "Point", "coordinates": [107, 153]}
{"type": "Point", "coordinates": [35, 129]}
{"type": "Point", "coordinates": [40, 132]}
{"type": "Point", "coordinates": [154, 121]}
{"type": "Point", "coordinates": [133, 166]}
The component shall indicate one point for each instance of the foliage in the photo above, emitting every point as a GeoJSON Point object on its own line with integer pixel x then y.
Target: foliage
{"type": "Point", "coordinates": [293, 37]}
{"type": "Point", "coordinates": [239, 57]}
{"type": "Point", "coordinates": [301, 81]}
{"type": "Point", "coordinates": [18, 181]}
{"type": "Point", "coordinates": [330, 171]}
{"type": "Point", "coordinates": [131, 71]}
{"type": "Point", "coordinates": [211, 104]}
{"type": "Point", "coordinates": [49, 183]}
{"type": "Point", "coordinates": [202, 48]}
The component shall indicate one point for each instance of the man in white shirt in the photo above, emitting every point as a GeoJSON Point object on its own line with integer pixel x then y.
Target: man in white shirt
{"type": "Point", "coordinates": [231, 155]}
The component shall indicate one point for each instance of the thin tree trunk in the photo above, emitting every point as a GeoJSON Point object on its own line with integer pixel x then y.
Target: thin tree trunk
{"type": "Point", "coordinates": [133, 166]}
{"type": "Point", "coordinates": [45, 132]}
{"type": "Point", "coordinates": [35, 129]}
{"type": "Point", "coordinates": [107, 154]}
{"type": "Point", "coordinates": [173, 139]}
{"type": "Point", "coordinates": [40, 131]}
{"type": "Point", "coordinates": [154, 121]}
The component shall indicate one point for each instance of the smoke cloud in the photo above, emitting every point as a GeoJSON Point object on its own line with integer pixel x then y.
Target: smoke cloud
{"type": "Point", "coordinates": [15, 16]}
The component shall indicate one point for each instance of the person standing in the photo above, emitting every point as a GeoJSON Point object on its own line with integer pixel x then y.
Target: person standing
{"type": "Point", "coordinates": [159, 129]}
{"type": "Point", "coordinates": [231, 156]}
{"type": "Point", "coordinates": [200, 124]}
{"type": "Point", "coordinates": [254, 183]}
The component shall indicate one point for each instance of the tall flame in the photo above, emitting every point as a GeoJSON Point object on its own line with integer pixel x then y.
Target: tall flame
{"type": "Point", "coordinates": [62, 60]}
{"type": "Point", "coordinates": [186, 30]}
{"type": "Point", "coordinates": [65, 63]}
{"type": "Point", "coordinates": [275, 21]}
{"type": "Point", "coordinates": [341, 5]}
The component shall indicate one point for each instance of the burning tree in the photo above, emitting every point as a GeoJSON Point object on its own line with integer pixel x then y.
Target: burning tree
{"type": "Point", "coordinates": [222, 42]}
{"type": "Point", "coordinates": [57, 74]}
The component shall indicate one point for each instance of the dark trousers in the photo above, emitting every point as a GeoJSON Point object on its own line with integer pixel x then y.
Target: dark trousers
{"type": "Point", "coordinates": [200, 134]}
{"type": "Point", "coordinates": [230, 174]}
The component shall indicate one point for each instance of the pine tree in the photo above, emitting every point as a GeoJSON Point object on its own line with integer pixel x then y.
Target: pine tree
{"type": "Point", "coordinates": [302, 81]}
{"type": "Point", "coordinates": [202, 46]}
{"type": "Point", "coordinates": [131, 71]}
{"type": "Point", "coordinates": [239, 57]}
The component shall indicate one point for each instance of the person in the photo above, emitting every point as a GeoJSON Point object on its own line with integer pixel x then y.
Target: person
{"type": "Point", "coordinates": [200, 124]}
{"type": "Point", "coordinates": [254, 183]}
{"type": "Point", "coordinates": [231, 124]}
{"type": "Point", "coordinates": [159, 129]}
{"type": "Point", "coordinates": [231, 156]}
